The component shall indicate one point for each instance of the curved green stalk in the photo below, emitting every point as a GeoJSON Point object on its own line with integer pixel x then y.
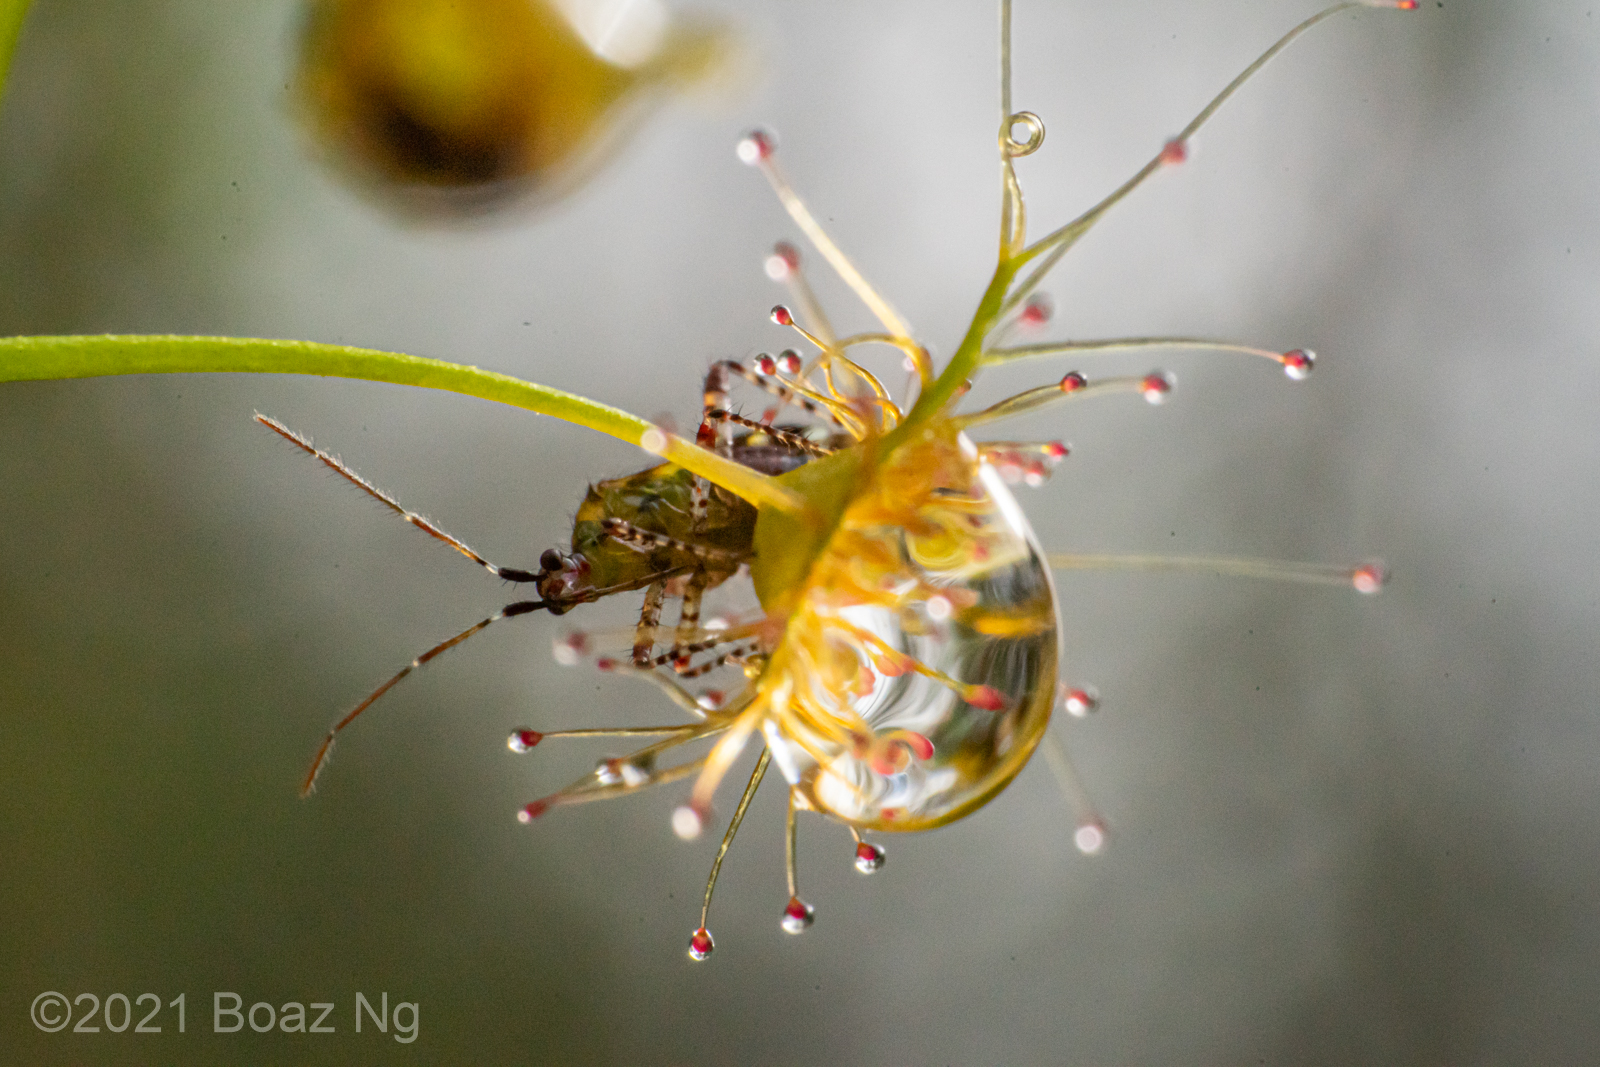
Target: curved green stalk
{"type": "Point", "coordinates": [43, 358]}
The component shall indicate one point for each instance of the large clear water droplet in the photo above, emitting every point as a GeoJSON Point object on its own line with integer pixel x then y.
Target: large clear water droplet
{"type": "Point", "coordinates": [960, 587]}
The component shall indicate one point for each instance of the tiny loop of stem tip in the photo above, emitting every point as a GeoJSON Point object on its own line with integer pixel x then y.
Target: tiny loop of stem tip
{"type": "Point", "coordinates": [1014, 148]}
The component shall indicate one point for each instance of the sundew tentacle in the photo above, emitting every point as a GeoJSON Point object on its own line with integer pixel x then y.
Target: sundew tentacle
{"type": "Point", "coordinates": [1297, 363]}
{"type": "Point", "coordinates": [756, 149]}
{"type": "Point", "coordinates": [1173, 152]}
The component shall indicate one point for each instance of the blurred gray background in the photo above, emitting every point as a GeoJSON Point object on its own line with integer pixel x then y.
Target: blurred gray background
{"type": "Point", "coordinates": [1345, 829]}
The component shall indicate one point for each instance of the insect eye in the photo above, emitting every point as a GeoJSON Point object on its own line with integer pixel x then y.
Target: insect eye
{"type": "Point", "coordinates": [550, 561]}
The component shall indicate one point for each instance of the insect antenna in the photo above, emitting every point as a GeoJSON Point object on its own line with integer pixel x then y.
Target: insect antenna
{"type": "Point", "coordinates": [521, 607]}
{"type": "Point", "coordinates": [336, 465]}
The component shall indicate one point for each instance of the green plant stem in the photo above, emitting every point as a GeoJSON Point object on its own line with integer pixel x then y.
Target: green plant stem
{"type": "Point", "coordinates": [44, 358]}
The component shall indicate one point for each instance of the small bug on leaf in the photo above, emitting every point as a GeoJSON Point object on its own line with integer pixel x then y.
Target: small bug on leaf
{"type": "Point", "coordinates": [902, 666]}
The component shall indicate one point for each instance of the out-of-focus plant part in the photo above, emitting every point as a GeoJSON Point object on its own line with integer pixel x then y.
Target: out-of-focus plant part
{"type": "Point", "coordinates": [445, 107]}
{"type": "Point", "coordinates": [11, 16]}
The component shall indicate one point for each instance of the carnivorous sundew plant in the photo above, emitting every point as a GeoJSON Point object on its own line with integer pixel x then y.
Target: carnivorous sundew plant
{"type": "Point", "coordinates": [897, 665]}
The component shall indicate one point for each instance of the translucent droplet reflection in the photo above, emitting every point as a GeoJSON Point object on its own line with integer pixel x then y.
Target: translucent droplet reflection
{"type": "Point", "coordinates": [945, 652]}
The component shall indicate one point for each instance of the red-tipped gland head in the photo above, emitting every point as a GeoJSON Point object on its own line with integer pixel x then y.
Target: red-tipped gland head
{"type": "Point", "coordinates": [1073, 382]}
{"type": "Point", "coordinates": [608, 771]}
{"type": "Point", "coordinates": [523, 740]}
{"type": "Point", "coordinates": [869, 858]}
{"type": "Point", "coordinates": [789, 361]}
{"type": "Point", "coordinates": [765, 364]}
{"type": "Point", "coordinates": [1079, 702]}
{"type": "Point", "coordinates": [1174, 152]}
{"type": "Point", "coordinates": [888, 760]}
{"type": "Point", "coordinates": [1369, 577]}
{"type": "Point", "coordinates": [570, 648]}
{"type": "Point", "coordinates": [783, 261]}
{"type": "Point", "coordinates": [688, 821]}
{"type": "Point", "coordinates": [700, 945]}
{"type": "Point", "coordinates": [782, 316]}
{"type": "Point", "coordinates": [1155, 387]}
{"type": "Point", "coordinates": [605, 664]}
{"type": "Point", "coordinates": [797, 916]}
{"type": "Point", "coordinates": [1090, 837]}
{"type": "Point", "coordinates": [917, 744]}
{"type": "Point", "coordinates": [1056, 450]}
{"type": "Point", "coordinates": [1298, 363]}
{"type": "Point", "coordinates": [711, 699]}
{"type": "Point", "coordinates": [755, 147]}
{"type": "Point", "coordinates": [532, 811]}
{"type": "Point", "coordinates": [1036, 312]}
{"type": "Point", "coordinates": [1405, 5]}
{"type": "Point", "coordinates": [986, 697]}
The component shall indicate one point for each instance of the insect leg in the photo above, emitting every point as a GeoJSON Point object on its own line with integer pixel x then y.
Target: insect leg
{"type": "Point", "coordinates": [522, 607]}
{"type": "Point", "coordinates": [688, 620]}
{"type": "Point", "coordinates": [649, 616]}
{"type": "Point", "coordinates": [812, 403]}
{"type": "Point", "coordinates": [738, 655]}
{"type": "Point", "coordinates": [793, 441]}
{"type": "Point", "coordinates": [644, 540]}
{"type": "Point", "coordinates": [337, 466]}
{"type": "Point", "coordinates": [717, 438]}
